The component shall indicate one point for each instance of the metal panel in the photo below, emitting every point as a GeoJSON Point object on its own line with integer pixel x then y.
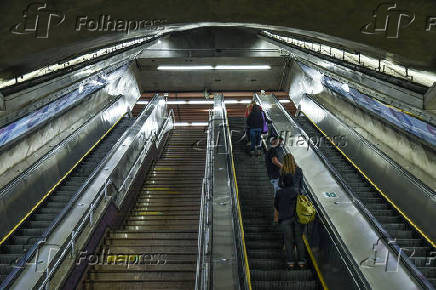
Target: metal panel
{"type": "Point", "coordinates": [224, 255]}
{"type": "Point", "coordinates": [414, 198]}
{"type": "Point", "coordinates": [356, 235]}
{"type": "Point", "coordinates": [20, 195]}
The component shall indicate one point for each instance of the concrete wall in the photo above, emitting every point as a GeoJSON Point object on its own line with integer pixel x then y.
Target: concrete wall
{"type": "Point", "coordinates": [407, 151]}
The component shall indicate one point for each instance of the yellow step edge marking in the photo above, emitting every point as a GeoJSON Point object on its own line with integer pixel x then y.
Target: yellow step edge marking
{"type": "Point", "coordinates": [57, 184]}
{"type": "Point", "coordinates": [156, 188]}
{"type": "Point", "coordinates": [164, 168]}
{"type": "Point", "coordinates": [150, 213]}
{"type": "Point", "coordinates": [247, 267]}
{"type": "Point", "coordinates": [375, 186]}
{"type": "Point", "coordinates": [171, 192]}
{"type": "Point", "coordinates": [315, 263]}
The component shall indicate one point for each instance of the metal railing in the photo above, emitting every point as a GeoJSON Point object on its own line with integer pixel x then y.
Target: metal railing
{"type": "Point", "coordinates": [202, 277]}
{"type": "Point", "coordinates": [69, 245]}
{"type": "Point", "coordinates": [243, 266]}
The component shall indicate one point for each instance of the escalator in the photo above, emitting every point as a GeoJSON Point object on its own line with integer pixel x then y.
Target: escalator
{"type": "Point", "coordinates": [25, 237]}
{"type": "Point", "coordinates": [263, 240]}
{"type": "Point", "coordinates": [156, 246]}
{"type": "Point", "coordinates": [411, 243]}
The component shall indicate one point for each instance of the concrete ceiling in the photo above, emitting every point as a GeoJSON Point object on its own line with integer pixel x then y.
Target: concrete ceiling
{"type": "Point", "coordinates": [336, 22]}
{"type": "Point", "coordinates": [212, 46]}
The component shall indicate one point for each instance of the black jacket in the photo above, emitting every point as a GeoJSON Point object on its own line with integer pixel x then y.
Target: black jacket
{"type": "Point", "coordinates": [255, 119]}
{"type": "Point", "coordinates": [291, 185]}
{"type": "Point", "coordinates": [285, 203]}
{"type": "Point", "coordinates": [292, 180]}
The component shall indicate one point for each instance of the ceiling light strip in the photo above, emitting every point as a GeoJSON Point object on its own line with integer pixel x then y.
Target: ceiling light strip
{"type": "Point", "coordinates": [210, 67]}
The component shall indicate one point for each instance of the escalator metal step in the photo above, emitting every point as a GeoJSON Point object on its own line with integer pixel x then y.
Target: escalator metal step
{"type": "Point", "coordinates": [164, 221]}
{"type": "Point", "coordinates": [139, 285]}
{"type": "Point", "coordinates": [281, 275]}
{"type": "Point", "coordinates": [280, 285]}
{"type": "Point", "coordinates": [263, 240]}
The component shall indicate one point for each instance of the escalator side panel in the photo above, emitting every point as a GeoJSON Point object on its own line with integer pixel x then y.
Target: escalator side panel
{"type": "Point", "coordinates": [355, 234]}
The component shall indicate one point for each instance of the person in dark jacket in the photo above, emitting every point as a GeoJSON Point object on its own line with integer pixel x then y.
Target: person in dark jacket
{"type": "Point", "coordinates": [255, 122]}
{"type": "Point", "coordinates": [285, 201]}
{"type": "Point", "coordinates": [273, 161]}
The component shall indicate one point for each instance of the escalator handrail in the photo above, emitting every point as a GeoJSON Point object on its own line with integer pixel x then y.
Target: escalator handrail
{"type": "Point", "coordinates": [235, 197]}
{"type": "Point", "coordinates": [202, 276]}
{"type": "Point", "coordinates": [69, 244]}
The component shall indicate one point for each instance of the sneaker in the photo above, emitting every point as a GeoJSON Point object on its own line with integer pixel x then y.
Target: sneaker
{"type": "Point", "coordinates": [251, 153]}
{"type": "Point", "coordinates": [302, 264]}
{"type": "Point", "coordinates": [258, 152]}
{"type": "Point", "coordinates": [291, 265]}
{"type": "Point", "coordinates": [248, 143]}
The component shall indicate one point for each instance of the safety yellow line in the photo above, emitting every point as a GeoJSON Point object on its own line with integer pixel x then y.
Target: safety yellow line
{"type": "Point", "coordinates": [247, 267]}
{"type": "Point", "coordinates": [150, 213]}
{"type": "Point", "coordinates": [315, 264]}
{"type": "Point", "coordinates": [404, 111]}
{"type": "Point", "coordinates": [57, 184]}
{"type": "Point", "coordinates": [374, 185]}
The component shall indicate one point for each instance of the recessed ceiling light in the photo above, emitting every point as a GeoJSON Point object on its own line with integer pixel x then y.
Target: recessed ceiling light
{"type": "Point", "coordinates": [184, 67]}
{"type": "Point", "coordinates": [243, 67]}
{"type": "Point", "coordinates": [210, 67]}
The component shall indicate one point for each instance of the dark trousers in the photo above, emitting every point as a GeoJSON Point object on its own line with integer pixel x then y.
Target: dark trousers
{"type": "Point", "coordinates": [293, 239]}
{"type": "Point", "coordinates": [255, 138]}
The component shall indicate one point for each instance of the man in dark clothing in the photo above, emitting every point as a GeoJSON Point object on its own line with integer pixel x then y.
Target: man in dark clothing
{"type": "Point", "coordinates": [255, 123]}
{"type": "Point", "coordinates": [273, 160]}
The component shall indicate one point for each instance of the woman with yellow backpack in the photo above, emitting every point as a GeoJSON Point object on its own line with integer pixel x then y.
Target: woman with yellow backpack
{"type": "Point", "coordinates": [286, 206]}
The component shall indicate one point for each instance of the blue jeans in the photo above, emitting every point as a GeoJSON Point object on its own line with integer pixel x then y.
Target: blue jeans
{"type": "Point", "coordinates": [293, 239]}
{"type": "Point", "coordinates": [275, 184]}
{"type": "Point", "coordinates": [255, 136]}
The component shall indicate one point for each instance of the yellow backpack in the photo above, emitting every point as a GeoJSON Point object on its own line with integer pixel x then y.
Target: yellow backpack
{"type": "Point", "coordinates": [305, 210]}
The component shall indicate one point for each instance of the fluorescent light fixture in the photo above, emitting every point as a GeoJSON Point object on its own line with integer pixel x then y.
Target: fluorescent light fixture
{"type": "Point", "coordinates": [201, 102]}
{"type": "Point", "coordinates": [237, 102]}
{"type": "Point", "coordinates": [243, 67]}
{"type": "Point", "coordinates": [284, 101]}
{"type": "Point", "coordinates": [177, 102]}
{"type": "Point", "coordinates": [142, 102]}
{"type": "Point", "coordinates": [210, 67]}
{"type": "Point", "coordinates": [192, 124]}
{"type": "Point", "coordinates": [185, 67]}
